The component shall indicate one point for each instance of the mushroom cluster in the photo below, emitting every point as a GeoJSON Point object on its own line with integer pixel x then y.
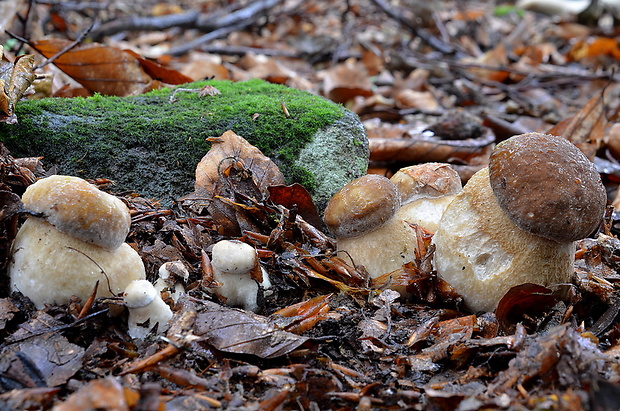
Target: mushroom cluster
{"type": "Point", "coordinates": [516, 221]}
{"type": "Point", "coordinates": [372, 216]}
{"type": "Point", "coordinates": [77, 240]}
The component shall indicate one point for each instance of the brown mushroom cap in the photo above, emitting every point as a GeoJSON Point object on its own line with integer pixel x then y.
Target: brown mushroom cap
{"type": "Point", "coordinates": [547, 186]}
{"type": "Point", "coordinates": [361, 206]}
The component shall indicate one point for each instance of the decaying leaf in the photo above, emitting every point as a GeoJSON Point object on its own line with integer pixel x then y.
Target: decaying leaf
{"type": "Point", "coordinates": [296, 197]}
{"type": "Point", "coordinates": [15, 78]}
{"type": "Point", "coordinates": [524, 299]}
{"type": "Point", "coordinates": [233, 172]}
{"type": "Point", "coordinates": [586, 129]}
{"type": "Point", "coordinates": [102, 394]}
{"type": "Point", "coordinates": [240, 332]}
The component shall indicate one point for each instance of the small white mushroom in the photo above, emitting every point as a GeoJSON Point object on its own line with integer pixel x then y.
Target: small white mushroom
{"type": "Point", "coordinates": [234, 266]}
{"type": "Point", "coordinates": [147, 311]}
{"type": "Point", "coordinates": [78, 241]}
{"type": "Point", "coordinates": [170, 273]}
{"type": "Point", "coordinates": [516, 221]}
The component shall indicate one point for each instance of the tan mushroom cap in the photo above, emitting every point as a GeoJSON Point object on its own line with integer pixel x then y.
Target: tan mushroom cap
{"type": "Point", "coordinates": [426, 180]}
{"type": "Point", "coordinates": [547, 186]}
{"type": "Point", "coordinates": [361, 206]}
{"type": "Point", "coordinates": [80, 209]}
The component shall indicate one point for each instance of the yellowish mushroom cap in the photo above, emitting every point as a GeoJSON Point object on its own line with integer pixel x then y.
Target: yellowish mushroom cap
{"type": "Point", "coordinates": [80, 210]}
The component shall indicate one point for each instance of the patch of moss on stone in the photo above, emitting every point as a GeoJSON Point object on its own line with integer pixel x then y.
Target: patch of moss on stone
{"type": "Point", "coordinates": [137, 140]}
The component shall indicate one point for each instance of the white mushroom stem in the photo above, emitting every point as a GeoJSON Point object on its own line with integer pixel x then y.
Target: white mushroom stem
{"type": "Point", "coordinates": [49, 266]}
{"type": "Point", "coordinates": [233, 265]}
{"type": "Point", "coordinates": [482, 253]}
{"type": "Point", "coordinates": [383, 250]}
{"type": "Point", "coordinates": [147, 311]}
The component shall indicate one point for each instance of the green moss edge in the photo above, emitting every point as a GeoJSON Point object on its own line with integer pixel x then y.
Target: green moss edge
{"type": "Point", "coordinates": [85, 132]}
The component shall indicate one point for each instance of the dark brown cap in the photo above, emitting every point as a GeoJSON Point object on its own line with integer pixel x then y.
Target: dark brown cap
{"type": "Point", "coordinates": [547, 186]}
{"type": "Point", "coordinates": [361, 206]}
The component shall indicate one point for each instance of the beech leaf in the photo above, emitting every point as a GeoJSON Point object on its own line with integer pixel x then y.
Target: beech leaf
{"type": "Point", "coordinates": [240, 332]}
{"type": "Point", "coordinates": [15, 78]}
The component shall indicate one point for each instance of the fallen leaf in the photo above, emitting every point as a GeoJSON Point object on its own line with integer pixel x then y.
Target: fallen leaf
{"type": "Point", "coordinates": [228, 149]}
{"type": "Point", "coordinates": [240, 332]}
{"type": "Point", "coordinates": [586, 129]}
{"type": "Point", "coordinates": [532, 299]}
{"type": "Point", "coordinates": [101, 69]}
{"type": "Point", "coordinates": [15, 78]}
{"type": "Point", "coordinates": [295, 196]}
{"type": "Point", "coordinates": [102, 394]}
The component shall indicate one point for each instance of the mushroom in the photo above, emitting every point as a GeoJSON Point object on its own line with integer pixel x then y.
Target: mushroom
{"type": "Point", "coordinates": [169, 275]}
{"type": "Point", "coordinates": [361, 217]}
{"type": "Point", "coordinates": [425, 192]}
{"type": "Point", "coordinates": [237, 272]}
{"type": "Point", "coordinates": [516, 221]}
{"type": "Point", "coordinates": [77, 241]}
{"type": "Point", "coordinates": [147, 311]}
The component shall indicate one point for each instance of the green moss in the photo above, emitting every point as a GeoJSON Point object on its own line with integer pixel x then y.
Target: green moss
{"type": "Point", "coordinates": [129, 138]}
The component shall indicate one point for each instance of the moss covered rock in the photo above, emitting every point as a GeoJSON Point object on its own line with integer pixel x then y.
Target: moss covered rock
{"type": "Point", "coordinates": [151, 143]}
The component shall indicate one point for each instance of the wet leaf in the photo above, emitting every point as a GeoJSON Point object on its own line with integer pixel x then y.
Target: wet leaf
{"type": "Point", "coordinates": [532, 299]}
{"type": "Point", "coordinates": [295, 196]}
{"type": "Point", "coordinates": [240, 332]}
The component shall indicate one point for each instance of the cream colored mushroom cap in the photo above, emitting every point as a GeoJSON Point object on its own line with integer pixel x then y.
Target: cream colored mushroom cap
{"type": "Point", "coordinates": [139, 293]}
{"type": "Point", "coordinates": [80, 209]}
{"type": "Point", "coordinates": [233, 257]}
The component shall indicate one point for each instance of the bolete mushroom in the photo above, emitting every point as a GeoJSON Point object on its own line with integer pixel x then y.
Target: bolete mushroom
{"type": "Point", "coordinates": [147, 310]}
{"type": "Point", "coordinates": [237, 272]}
{"type": "Point", "coordinates": [425, 191]}
{"type": "Point", "coordinates": [77, 240]}
{"type": "Point", "coordinates": [516, 221]}
{"type": "Point", "coordinates": [361, 217]}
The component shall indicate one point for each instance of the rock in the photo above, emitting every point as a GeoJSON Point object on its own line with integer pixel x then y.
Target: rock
{"type": "Point", "coordinates": [151, 143]}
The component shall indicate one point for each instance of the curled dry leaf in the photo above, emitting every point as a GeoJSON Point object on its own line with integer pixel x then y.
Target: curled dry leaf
{"type": "Point", "coordinates": [15, 78]}
{"type": "Point", "coordinates": [229, 149]}
{"type": "Point", "coordinates": [586, 129]}
{"type": "Point", "coordinates": [525, 299]}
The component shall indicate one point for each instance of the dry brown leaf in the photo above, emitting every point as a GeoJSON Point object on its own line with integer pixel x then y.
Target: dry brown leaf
{"type": "Point", "coordinates": [15, 78]}
{"type": "Point", "coordinates": [101, 69]}
{"type": "Point", "coordinates": [493, 58]}
{"type": "Point", "coordinates": [230, 148]}
{"type": "Point", "coordinates": [346, 81]}
{"type": "Point", "coordinates": [586, 129]}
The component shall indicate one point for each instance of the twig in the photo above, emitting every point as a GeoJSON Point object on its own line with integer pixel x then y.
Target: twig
{"type": "Point", "coordinates": [75, 43]}
{"type": "Point", "coordinates": [145, 23]}
{"type": "Point", "coordinates": [235, 21]}
{"type": "Point", "coordinates": [428, 38]}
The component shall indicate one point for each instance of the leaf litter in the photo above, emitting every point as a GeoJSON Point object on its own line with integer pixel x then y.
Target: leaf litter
{"type": "Point", "coordinates": [326, 338]}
